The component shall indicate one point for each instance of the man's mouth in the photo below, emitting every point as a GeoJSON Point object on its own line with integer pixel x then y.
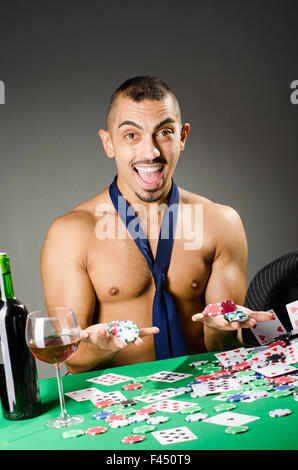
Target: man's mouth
{"type": "Point", "coordinates": [149, 175]}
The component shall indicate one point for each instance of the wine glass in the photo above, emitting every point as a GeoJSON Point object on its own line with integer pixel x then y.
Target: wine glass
{"type": "Point", "coordinates": [53, 336]}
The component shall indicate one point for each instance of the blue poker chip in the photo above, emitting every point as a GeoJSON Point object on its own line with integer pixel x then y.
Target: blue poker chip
{"type": "Point", "coordinates": [102, 415]}
{"type": "Point", "coordinates": [236, 316]}
{"type": "Point", "coordinates": [237, 397]}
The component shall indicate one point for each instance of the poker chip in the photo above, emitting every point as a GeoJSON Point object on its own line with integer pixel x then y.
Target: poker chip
{"type": "Point", "coordinates": [281, 393]}
{"type": "Point", "coordinates": [119, 424]}
{"type": "Point", "coordinates": [224, 407]}
{"type": "Point", "coordinates": [279, 412]}
{"type": "Point", "coordinates": [157, 420]}
{"type": "Point", "coordinates": [241, 366]}
{"type": "Point", "coordinates": [295, 394]}
{"type": "Point", "coordinates": [138, 418]}
{"type": "Point", "coordinates": [190, 409]}
{"type": "Point", "coordinates": [236, 429]}
{"type": "Point", "coordinates": [144, 411]}
{"type": "Point", "coordinates": [236, 316]}
{"type": "Point", "coordinates": [104, 403]}
{"type": "Point", "coordinates": [96, 431]}
{"type": "Point", "coordinates": [72, 433]}
{"type": "Point", "coordinates": [141, 380]}
{"type": "Point", "coordinates": [127, 331]}
{"type": "Point", "coordinates": [133, 386]}
{"type": "Point", "coordinates": [237, 397]}
{"type": "Point", "coordinates": [212, 310]}
{"type": "Point", "coordinates": [111, 327]}
{"type": "Point", "coordinates": [196, 417]}
{"type": "Point", "coordinates": [110, 419]}
{"type": "Point", "coordinates": [143, 429]}
{"type": "Point", "coordinates": [198, 363]}
{"type": "Point", "coordinates": [126, 403]}
{"type": "Point", "coordinates": [133, 439]}
{"type": "Point", "coordinates": [227, 306]}
{"type": "Point", "coordinates": [102, 415]}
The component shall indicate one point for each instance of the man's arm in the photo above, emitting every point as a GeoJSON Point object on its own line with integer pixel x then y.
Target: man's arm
{"type": "Point", "coordinates": [66, 283]}
{"type": "Point", "coordinates": [227, 281]}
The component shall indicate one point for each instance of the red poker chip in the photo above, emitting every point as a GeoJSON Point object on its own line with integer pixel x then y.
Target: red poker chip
{"type": "Point", "coordinates": [133, 386]}
{"type": "Point", "coordinates": [145, 411]}
{"type": "Point", "coordinates": [228, 306]}
{"type": "Point", "coordinates": [133, 439]}
{"type": "Point", "coordinates": [241, 366]}
{"type": "Point", "coordinates": [204, 378]}
{"type": "Point", "coordinates": [213, 310]}
{"type": "Point", "coordinates": [96, 431]}
{"type": "Point", "coordinates": [104, 403]}
{"type": "Point", "coordinates": [110, 419]}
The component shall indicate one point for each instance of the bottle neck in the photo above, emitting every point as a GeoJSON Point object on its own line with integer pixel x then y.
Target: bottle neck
{"type": "Point", "coordinates": [6, 285]}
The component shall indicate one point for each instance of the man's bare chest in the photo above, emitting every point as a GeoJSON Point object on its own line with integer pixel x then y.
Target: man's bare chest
{"type": "Point", "coordinates": [119, 271]}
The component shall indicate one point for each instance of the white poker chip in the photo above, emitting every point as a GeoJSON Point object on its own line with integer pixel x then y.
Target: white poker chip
{"type": "Point", "coordinates": [127, 334]}
{"type": "Point", "coordinates": [198, 363]}
{"type": "Point", "coordinates": [196, 417]}
{"type": "Point", "coordinates": [137, 418]}
{"type": "Point", "coordinates": [279, 412]}
{"type": "Point", "coordinates": [119, 424]}
{"type": "Point", "coordinates": [157, 420]}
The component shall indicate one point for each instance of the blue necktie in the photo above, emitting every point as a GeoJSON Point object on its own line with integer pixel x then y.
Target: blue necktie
{"type": "Point", "coordinates": [169, 341]}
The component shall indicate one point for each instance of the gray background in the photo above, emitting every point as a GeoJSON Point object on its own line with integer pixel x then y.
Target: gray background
{"type": "Point", "coordinates": [230, 63]}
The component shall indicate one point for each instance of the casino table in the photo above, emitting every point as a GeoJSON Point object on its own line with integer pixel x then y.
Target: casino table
{"type": "Point", "coordinates": [266, 433]}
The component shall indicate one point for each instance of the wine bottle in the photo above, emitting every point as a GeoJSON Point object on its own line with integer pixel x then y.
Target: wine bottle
{"type": "Point", "coordinates": [19, 390]}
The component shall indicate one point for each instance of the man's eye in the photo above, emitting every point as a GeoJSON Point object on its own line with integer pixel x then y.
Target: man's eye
{"type": "Point", "coordinates": [130, 136]}
{"type": "Point", "coordinates": [164, 132]}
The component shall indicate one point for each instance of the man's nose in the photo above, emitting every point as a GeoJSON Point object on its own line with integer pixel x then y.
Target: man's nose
{"type": "Point", "coordinates": [150, 148]}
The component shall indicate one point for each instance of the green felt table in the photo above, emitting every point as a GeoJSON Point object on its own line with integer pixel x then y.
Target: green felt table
{"type": "Point", "coordinates": [265, 433]}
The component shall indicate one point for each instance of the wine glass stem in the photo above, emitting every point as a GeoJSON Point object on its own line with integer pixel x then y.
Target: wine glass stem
{"type": "Point", "coordinates": [64, 414]}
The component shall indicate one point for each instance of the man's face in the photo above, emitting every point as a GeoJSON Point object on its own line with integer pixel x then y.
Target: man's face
{"type": "Point", "coordinates": [145, 138]}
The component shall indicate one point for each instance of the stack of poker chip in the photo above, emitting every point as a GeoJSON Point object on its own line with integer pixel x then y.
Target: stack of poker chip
{"type": "Point", "coordinates": [125, 330]}
{"type": "Point", "coordinates": [231, 313]}
{"type": "Point", "coordinates": [228, 309]}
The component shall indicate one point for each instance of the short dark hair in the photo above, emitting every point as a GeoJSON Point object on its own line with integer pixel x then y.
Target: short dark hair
{"type": "Point", "coordinates": [141, 88]}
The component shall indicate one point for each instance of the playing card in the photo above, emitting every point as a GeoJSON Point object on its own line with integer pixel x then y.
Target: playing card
{"type": "Point", "coordinates": [116, 396]}
{"type": "Point", "coordinates": [267, 331]}
{"type": "Point", "coordinates": [167, 376]}
{"type": "Point", "coordinates": [174, 435]}
{"type": "Point", "coordinates": [109, 379]}
{"type": "Point", "coordinates": [292, 309]}
{"type": "Point", "coordinates": [85, 394]}
{"type": "Point", "coordinates": [263, 355]}
{"type": "Point", "coordinates": [228, 418]}
{"type": "Point", "coordinates": [215, 386]}
{"type": "Point", "coordinates": [164, 394]}
{"type": "Point", "coordinates": [171, 406]}
{"type": "Point", "coordinates": [232, 357]}
{"type": "Point", "coordinates": [291, 352]}
{"type": "Point", "coordinates": [274, 369]}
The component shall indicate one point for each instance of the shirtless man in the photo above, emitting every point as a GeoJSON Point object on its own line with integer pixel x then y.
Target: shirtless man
{"type": "Point", "coordinates": [107, 279]}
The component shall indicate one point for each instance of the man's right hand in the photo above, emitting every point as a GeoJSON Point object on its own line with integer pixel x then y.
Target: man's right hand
{"type": "Point", "coordinates": [100, 338]}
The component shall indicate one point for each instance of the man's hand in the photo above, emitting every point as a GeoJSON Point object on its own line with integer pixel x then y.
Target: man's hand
{"type": "Point", "coordinates": [219, 322]}
{"type": "Point", "coordinates": [99, 337]}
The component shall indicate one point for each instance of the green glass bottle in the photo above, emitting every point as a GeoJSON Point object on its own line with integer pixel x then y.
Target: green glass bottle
{"type": "Point", "coordinates": [19, 391]}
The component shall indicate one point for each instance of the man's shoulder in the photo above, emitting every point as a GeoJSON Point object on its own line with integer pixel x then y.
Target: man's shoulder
{"type": "Point", "coordinates": [217, 213]}
{"type": "Point", "coordinates": [80, 217]}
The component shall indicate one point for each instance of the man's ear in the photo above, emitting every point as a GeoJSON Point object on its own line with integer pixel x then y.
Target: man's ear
{"type": "Point", "coordinates": [107, 142]}
{"type": "Point", "coordinates": [184, 131]}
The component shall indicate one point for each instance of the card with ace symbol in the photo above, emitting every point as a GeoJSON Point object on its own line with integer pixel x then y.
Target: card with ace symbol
{"type": "Point", "coordinates": [292, 309]}
{"type": "Point", "coordinates": [265, 332]}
